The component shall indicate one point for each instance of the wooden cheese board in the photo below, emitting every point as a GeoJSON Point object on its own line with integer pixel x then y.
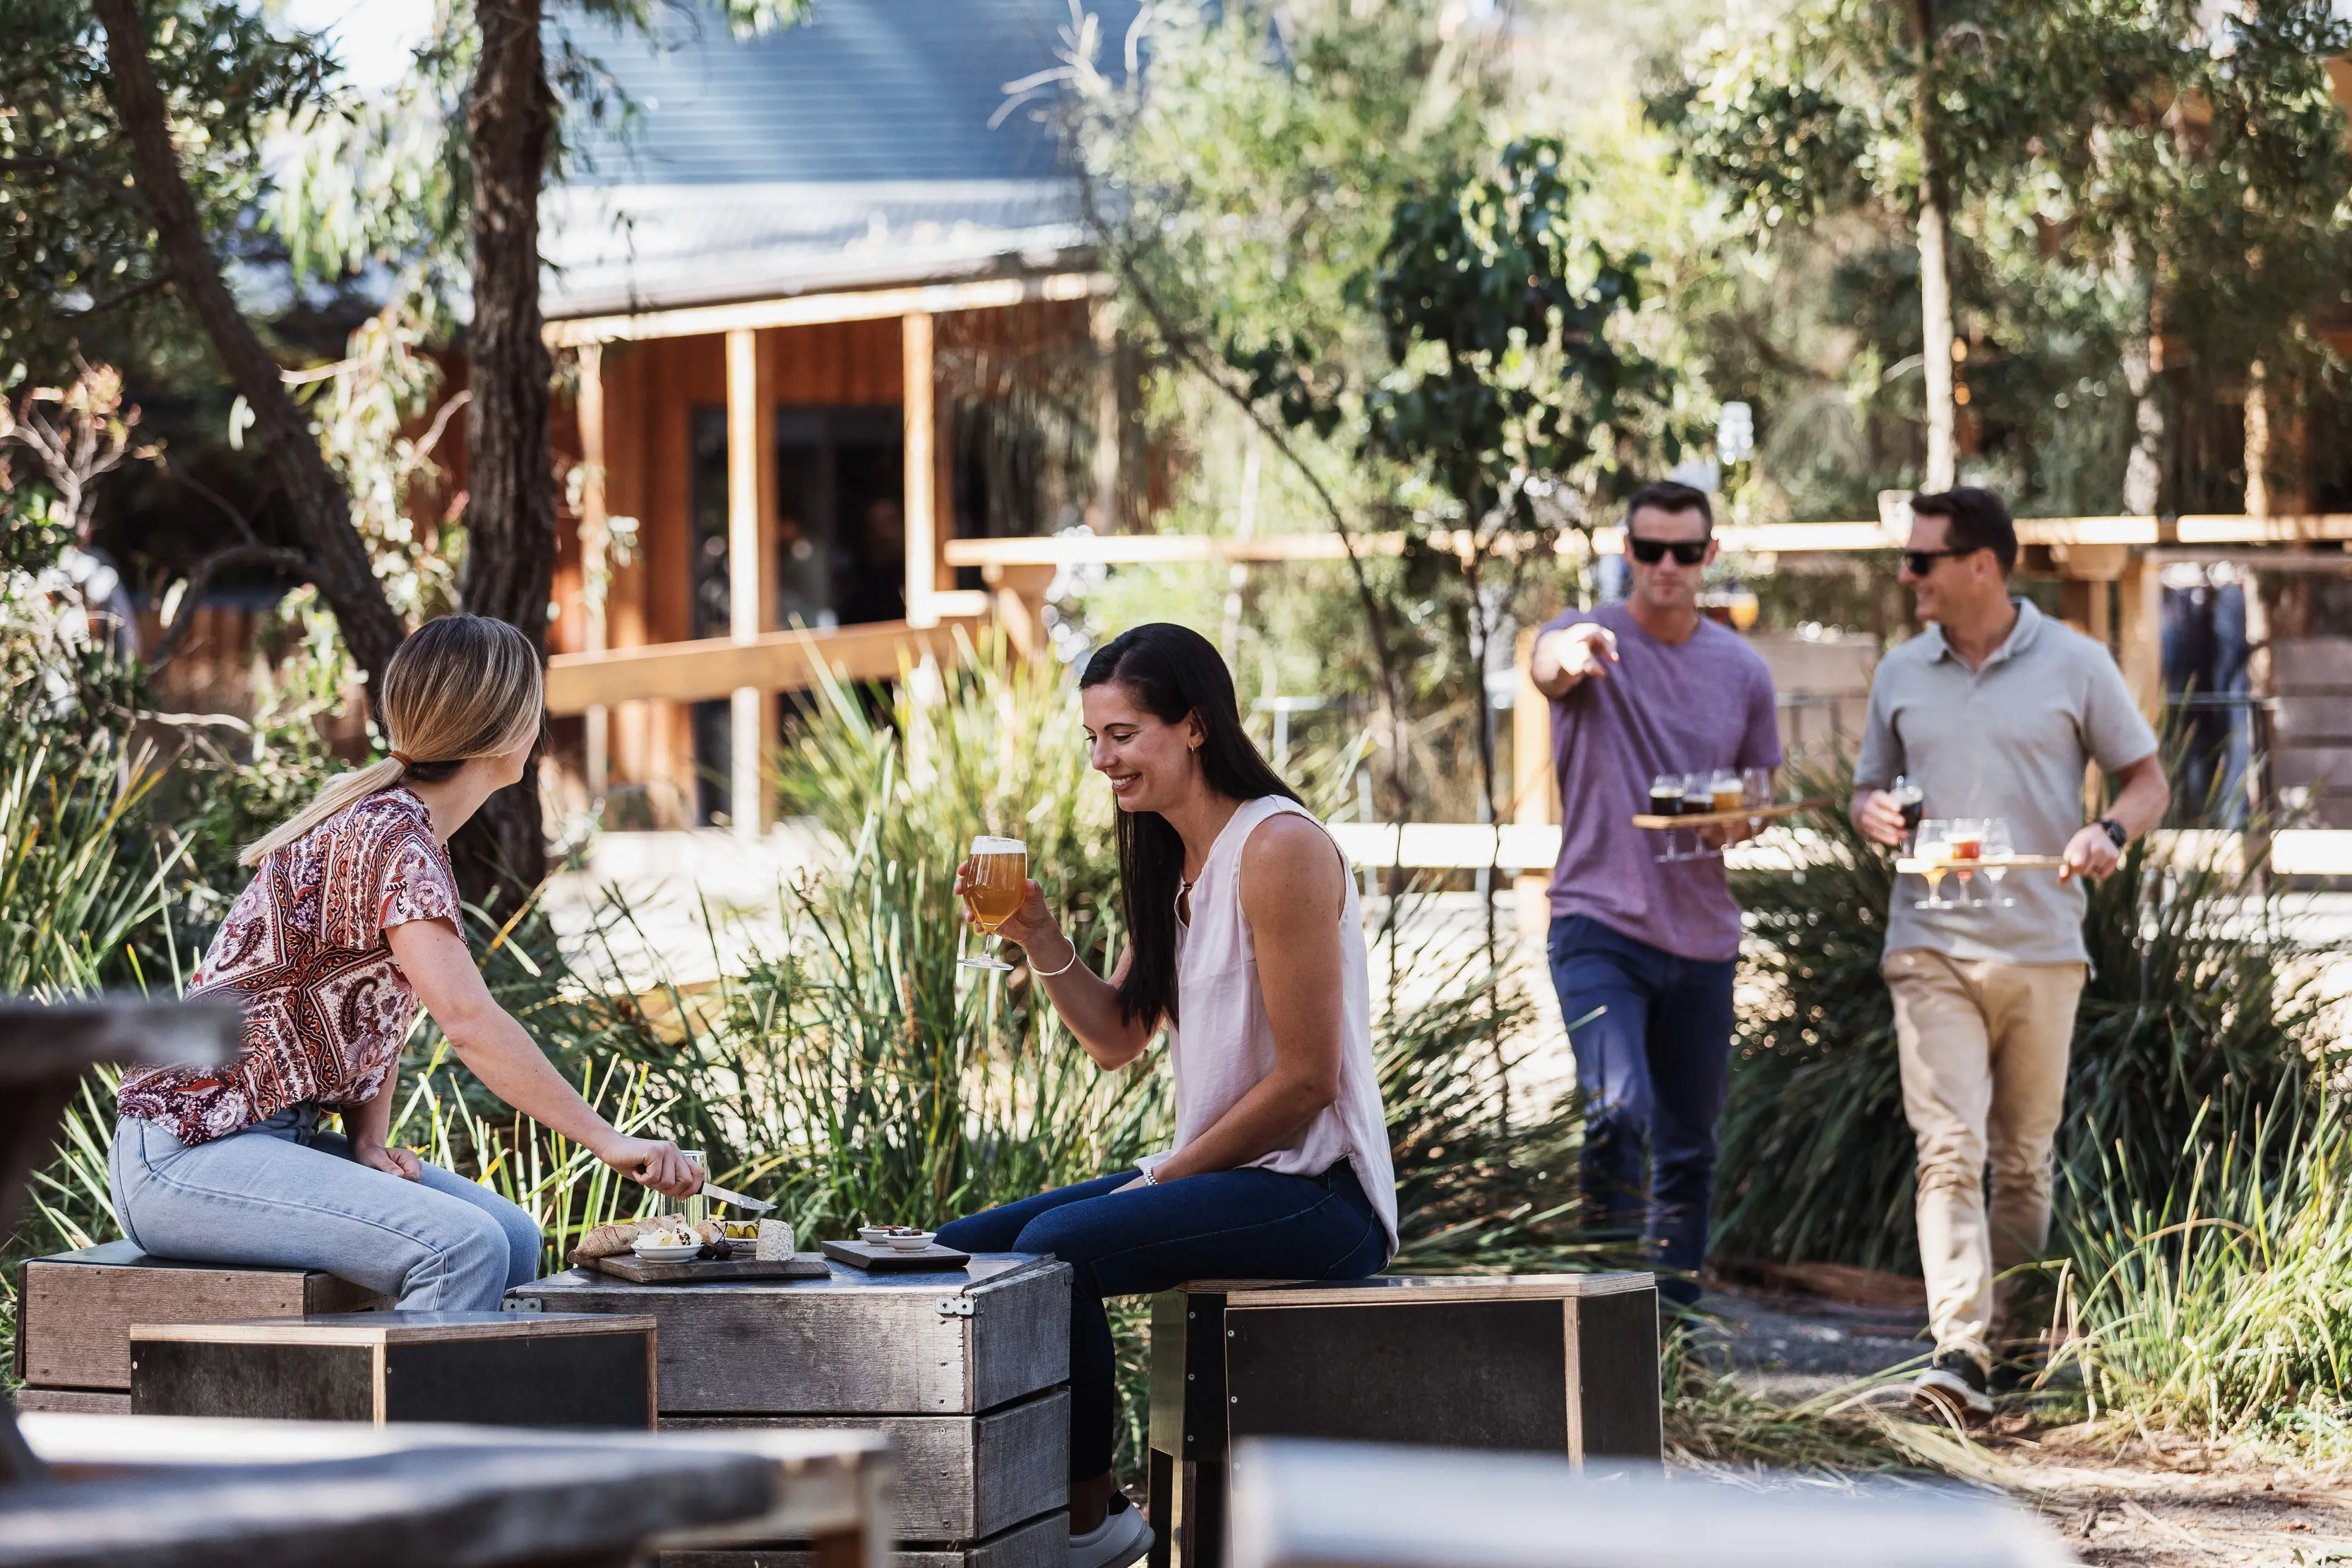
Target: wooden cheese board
{"type": "Point", "coordinates": [702, 1271]}
{"type": "Point", "coordinates": [934, 1259]}
{"type": "Point", "coordinates": [1909, 866]}
{"type": "Point", "coordinates": [1724, 819]}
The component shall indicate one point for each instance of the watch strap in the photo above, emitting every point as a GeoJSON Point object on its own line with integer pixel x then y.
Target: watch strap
{"type": "Point", "coordinates": [2116, 833]}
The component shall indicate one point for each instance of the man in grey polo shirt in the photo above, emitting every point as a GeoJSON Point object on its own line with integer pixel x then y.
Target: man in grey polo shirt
{"type": "Point", "coordinates": [1994, 710]}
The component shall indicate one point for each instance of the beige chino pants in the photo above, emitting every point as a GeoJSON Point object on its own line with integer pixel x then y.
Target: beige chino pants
{"type": "Point", "coordinates": [1983, 1048]}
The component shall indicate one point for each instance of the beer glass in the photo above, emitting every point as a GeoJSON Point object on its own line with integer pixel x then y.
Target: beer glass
{"type": "Point", "coordinates": [998, 882]}
{"type": "Point", "coordinates": [1966, 839]}
{"type": "Point", "coordinates": [1935, 850]}
{"type": "Point", "coordinates": [1911, 801]}
{"type": "Point", "coordinates": [1666, 800]}
{"type": "Point", "coordinates": [1998, 848]}
{"type": "Point", "coordinates": [1756, 785]}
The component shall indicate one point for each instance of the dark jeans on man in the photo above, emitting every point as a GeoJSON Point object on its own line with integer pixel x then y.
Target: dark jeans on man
{"type": "Point", "coordinates": [1652, 1070]}
{"type": "Point", "coordinates": [1247, 1224]}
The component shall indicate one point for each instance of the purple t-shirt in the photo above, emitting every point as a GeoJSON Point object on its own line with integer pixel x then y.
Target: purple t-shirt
{"type": "Point", "coordinates": [1702, 704]}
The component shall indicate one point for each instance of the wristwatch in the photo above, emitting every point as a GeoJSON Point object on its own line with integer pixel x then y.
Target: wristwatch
{"type": "Point", "coordinates": [2116, 833]}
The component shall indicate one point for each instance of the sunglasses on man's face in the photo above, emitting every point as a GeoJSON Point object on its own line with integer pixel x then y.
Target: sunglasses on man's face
{"type": "Point", "coordinates": [1920, 562]}
{"type": "Point", "coordinates": [1650, 552]}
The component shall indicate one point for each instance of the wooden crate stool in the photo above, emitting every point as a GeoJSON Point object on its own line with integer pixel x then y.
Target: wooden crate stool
{"type": "Point", "coordinates": [1556, 1363]}
{"type": "Point", "coordinates": [494, 1369]}
{"type": "Point", "coordinates": [964, 1371]}
{"type": "Point", "coordinates": [75, 1312]}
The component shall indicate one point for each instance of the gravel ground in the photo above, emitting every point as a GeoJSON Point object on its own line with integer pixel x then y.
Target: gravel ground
{"type": "Point", "coordinates": [2164, 1504]}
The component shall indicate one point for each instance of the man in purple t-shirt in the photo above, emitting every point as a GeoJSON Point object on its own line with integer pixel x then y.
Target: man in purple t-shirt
{"type": "Point", "coordinates": [1638, 689]}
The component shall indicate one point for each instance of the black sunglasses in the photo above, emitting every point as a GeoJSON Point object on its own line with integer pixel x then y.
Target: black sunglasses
{"type": "Point", "coordinates": [1650, 552]}
{"type": "Point", "coordinates": [1920, 562]}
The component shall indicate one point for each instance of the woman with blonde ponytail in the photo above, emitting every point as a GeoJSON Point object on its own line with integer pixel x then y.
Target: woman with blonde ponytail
{"type": "Point", "coordinates": [351, 920]}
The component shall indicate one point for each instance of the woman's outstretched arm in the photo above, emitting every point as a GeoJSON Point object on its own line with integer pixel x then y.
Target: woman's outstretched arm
{"type": "Point", "coordinates": [510, 1063]}
{"type": "Point", "coordinates": [1293, 894]}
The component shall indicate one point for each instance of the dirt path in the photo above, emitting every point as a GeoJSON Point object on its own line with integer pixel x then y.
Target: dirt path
{"type": "Point", "coordinates": [2172, 1505]}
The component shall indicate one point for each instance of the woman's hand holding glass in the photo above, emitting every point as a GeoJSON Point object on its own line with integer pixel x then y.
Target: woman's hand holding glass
{"type": "Point", "coordinates": [1030, 926]}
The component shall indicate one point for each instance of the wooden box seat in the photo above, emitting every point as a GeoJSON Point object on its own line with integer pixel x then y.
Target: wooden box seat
{"type": "Point", "coordinates": [1558, 1363]}
{"type": "Point", "coordinates": [75, 1311]}
{"type": "Point", "coordinates": [497, 1369]}
{"type": "Point", "coordinates": [965, 1371]}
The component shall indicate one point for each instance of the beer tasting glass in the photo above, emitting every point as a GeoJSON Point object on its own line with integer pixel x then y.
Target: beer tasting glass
{"type": "Point", "coordinates": [1911, 801]}
{"type": "Point", "coordinates": [1966, 839]}
{"type": "Point", "coordinates": [1998, 848]}
{"type": "Point", "coordinates": [1725, 791]}
{"type": "Point", "coordinates": [1756, 790]}
{"type": "Point", "coordinates": [993, 891]}
{"type": "Point", "coordinates": [1935, 850]}
{"type": "Point", "coordinates": [1666, 800]}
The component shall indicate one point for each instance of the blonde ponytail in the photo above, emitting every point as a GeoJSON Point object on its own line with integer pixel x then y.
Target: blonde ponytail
{"type": "Point", "coordinates": [460, 687]}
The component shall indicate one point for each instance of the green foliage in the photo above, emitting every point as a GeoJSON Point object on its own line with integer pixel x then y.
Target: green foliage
{"type": "Point", "coordinates": [2215, 1297]}
{"type": "Point", "coordinates": [76, 249]}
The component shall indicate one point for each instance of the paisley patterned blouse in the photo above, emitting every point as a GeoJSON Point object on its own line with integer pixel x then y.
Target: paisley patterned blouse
{"type": "Point", "coordinates": [302, 949]}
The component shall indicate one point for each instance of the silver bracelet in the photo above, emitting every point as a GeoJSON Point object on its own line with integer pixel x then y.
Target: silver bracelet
{"type": "Point", "coordinates": [1049, 974]}
{"type": "Point", "coordinates": [1149, 1179]}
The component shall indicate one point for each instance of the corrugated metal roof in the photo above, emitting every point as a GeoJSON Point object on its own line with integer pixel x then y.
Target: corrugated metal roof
{"type": "Point", "coordinates": [856, 148]}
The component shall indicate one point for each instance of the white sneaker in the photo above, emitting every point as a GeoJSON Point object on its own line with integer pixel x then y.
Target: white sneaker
{"type": "Point", "coordinates": [1954, 1381]}
{"type": "Point", "coordinates": [1121, 1537]}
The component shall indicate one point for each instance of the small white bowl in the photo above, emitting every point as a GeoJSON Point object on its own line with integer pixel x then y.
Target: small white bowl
{"type": "Point", "coordinates": [666, 1254]}
{"type": "Point", "coordinates": [873, 1235]}
{"type": "Point", "coordinates": [915, 1243]}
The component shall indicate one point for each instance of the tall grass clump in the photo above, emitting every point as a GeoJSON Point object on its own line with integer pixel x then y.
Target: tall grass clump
{"type": "Point", "coordinates": [2198, 1016]}
{"type": "Point", "coordinates": [2214, 1298]}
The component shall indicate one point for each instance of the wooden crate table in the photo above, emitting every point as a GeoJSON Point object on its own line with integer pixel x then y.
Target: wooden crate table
{"type": "Point", "coordinates": [965, 1371]}
{"type": "Point", "coordinates": [499, 1369]}
{"type": "Point", "coordinates": [76, 1309]}
{"type": "Point", "coordinates": [1559, 1364]}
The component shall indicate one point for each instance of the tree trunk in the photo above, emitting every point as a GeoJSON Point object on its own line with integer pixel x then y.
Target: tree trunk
{"type": "Point", "coordinates": [337, 562]}
{"type": "Point", "coordinates": [2143, 367]}
{"type": "Point", "coordinates": [510, 504]}
{"type": "Point", "coordinates": [1935, 267]}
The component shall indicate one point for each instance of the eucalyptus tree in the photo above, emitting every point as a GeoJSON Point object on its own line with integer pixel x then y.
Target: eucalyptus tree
{"type": "Point", "coordinates": [2191, 159]}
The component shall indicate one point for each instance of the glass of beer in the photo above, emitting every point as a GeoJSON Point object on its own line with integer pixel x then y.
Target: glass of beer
{"type": "Point", "coordinates": [1935, 855]}
{"type": "Point", "coordinates": [1666, 800]}
{"type": "Point", "coordinates": [1912, 802]}
{"type": "Point", "coordinates": [993, 891]}
{"type": "Point", "coordinates": [1966, 839]}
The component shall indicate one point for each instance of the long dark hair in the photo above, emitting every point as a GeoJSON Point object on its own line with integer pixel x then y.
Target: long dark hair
{"type": "Point", "coordinates": [1174, 674]}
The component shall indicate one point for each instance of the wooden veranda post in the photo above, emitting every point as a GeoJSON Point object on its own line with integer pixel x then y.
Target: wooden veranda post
{"type": "Point", "coordinates": [921, 471]}
{"type": "Point", "coordinates": [595, 558]}
{"type": "Point", "coordinates": [1534, 790]}
{"type": "Point", "coordinates": [750, 571]}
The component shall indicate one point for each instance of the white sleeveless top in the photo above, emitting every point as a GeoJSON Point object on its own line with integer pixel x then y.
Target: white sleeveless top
{"type": "Point", "coordinates": [1225, 1046]}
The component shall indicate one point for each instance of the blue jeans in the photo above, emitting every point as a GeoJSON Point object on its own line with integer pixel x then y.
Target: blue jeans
{"type": "Point", "coordinates": [282, 1192]}
{"type": "Point", "coordinates": [1231, 1225]}
{"type": "Point", "coordinates": [1653, 1070]}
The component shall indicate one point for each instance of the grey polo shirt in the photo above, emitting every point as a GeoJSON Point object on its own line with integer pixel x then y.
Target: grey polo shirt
{"type": "Point", "coordinates": [2008, 740]}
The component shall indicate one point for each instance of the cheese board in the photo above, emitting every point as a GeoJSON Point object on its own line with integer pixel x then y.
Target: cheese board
{"type": "Point", "coordinates": [934, 1259]}
{"type": "Point", "coordinates": [1724, 819]}
{"type": "Point", "coordinates": [698, 1271]}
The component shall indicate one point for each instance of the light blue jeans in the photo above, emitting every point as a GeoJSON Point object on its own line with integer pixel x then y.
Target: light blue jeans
{"type": "Point", "coordinates": [282, 1192]}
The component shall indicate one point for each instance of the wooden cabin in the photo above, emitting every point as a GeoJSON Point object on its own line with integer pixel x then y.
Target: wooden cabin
{"type": "Point", "coordinates": [829, 306]}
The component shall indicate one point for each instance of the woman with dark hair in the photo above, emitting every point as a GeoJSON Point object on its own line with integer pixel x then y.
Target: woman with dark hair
{"type": "Point", "coordinates": [1244, 943]}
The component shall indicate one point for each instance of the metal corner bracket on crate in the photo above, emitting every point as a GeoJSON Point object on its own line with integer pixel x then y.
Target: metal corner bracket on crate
{"type": "Point", "coordinates": [955, 1306]}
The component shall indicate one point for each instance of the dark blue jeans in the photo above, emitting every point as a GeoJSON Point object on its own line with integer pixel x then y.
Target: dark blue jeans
{"type": "Point", "coordinates": [1653, 1070]}
{"type": "Point", "coordinates": [1221, 1225]}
